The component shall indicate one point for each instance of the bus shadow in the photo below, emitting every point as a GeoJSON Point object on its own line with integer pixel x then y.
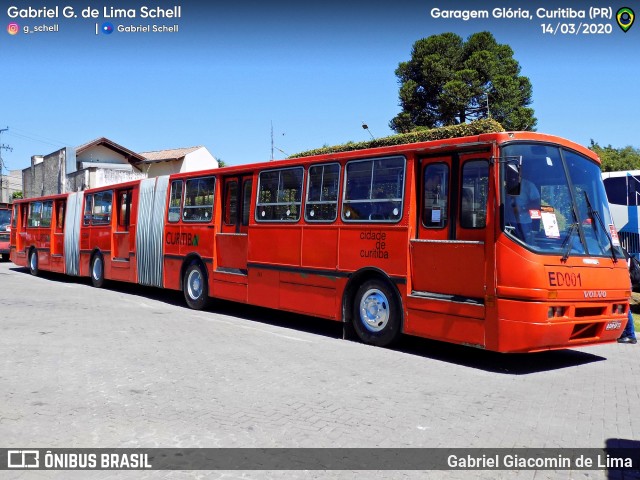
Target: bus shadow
{"type": "Point", "coordinates": [508, 364]}
{"type": "Point", "coordinates": [505, 363]}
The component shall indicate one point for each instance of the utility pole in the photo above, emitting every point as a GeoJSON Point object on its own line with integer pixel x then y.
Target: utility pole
{"type": "Point", "coordinates": [8, 148]}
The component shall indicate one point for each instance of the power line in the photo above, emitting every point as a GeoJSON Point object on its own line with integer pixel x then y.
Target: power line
{"type": "Point", "coordinates": [3, 147]}
{"type": "Point", "coordinates": [34, 137]}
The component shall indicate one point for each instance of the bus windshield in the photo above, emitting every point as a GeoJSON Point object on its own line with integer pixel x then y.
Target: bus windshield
{"type": "Point", "coordinates": [561, 206]}
{"type": "Point", "coordinates": [5, 218]}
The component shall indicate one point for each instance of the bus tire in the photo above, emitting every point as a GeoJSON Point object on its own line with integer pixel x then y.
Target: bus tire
{"type": "Point", "coordinates": [33, 263]}
{"type": "Point", "coordinates": [97, 271]}
{"type": "Point", "coordinates": [194, 286]}
{"type": "Point", "coordinates": [377, 316]}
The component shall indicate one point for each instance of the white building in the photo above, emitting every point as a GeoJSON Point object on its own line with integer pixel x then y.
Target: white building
{"type": "Point", "coordinates": [177, 160]}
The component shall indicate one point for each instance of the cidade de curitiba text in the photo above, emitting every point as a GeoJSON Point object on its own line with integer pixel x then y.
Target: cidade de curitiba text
{"type": "Point", "coordinates": [90, 12]}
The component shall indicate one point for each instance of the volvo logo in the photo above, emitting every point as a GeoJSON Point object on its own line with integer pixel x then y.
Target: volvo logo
{"type": "Point", "coordinates": [595, 294]}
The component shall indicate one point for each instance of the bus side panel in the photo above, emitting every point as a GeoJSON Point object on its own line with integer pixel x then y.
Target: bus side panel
{"type": "Point", "coordinates": [320, 247]}
{"type": "Point", "coordinates": [277, 245]}
{"type": "Point", "coordinates": [449, 326]}
{"type": "Point", "coordinates": [373, 245]}
{"type": "Point", "coordinates": [264, 287]}
{"type": "Point", "coordinates": [309, 293]}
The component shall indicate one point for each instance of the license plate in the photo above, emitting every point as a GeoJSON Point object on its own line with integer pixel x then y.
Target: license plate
{"type": "Point", "coordinates": [613, 326]}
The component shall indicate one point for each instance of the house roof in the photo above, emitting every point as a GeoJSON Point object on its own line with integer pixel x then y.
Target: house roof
{"type": "Point", "coordinates": [168, 155]}
{"type": "Point", "coordinates": [131, 157]}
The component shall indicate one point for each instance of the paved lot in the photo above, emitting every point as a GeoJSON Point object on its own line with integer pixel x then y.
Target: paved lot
{"type": "Point", "coordinates": [132, 367]}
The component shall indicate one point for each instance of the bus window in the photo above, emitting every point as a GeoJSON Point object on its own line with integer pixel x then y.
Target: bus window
{"type": "Point", "coordinates": [175, 201]}
{"type": "Point", "coordinates": [35, 214]}
{"type": "Point", "coordinates": [47, 212]}
{"type": "Point", "coordinates": [436, 195]}
{"type": "Point", "coordinates": [246, 201]}
{"type": "Point", "coordinates": [231, 203]}
{"type": "Point", "coordinates": [60, 213]}
{"type": "Point", "coordinates": [102, 208]}
{"type": "Point", "coordinates": [124, 206]}
{"type": "Point", "coordinates": [322, 193]}
{"type": "Point", "coordinates": [280, 195]}
{"type": "Point", "coordinates": [14, 220]}
{"type": "Point", "coordinates": [473, 196]}
{"type": "Point", "coordinates": [198, 199]}
{"type": "Point", "coordinates": [88, 207]}
{"type": "Point", "coordinates": [374, 190]}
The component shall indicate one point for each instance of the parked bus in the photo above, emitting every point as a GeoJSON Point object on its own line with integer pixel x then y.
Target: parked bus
{"type": "Point", "coordinates": [500, 241]}
{"type": "Point", "coordinates": [623, 192]}
{"type": "Point", "coordinates": [5, 220]}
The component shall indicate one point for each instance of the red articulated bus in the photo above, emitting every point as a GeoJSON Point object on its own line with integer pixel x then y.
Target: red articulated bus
{"type": "Point", "coordinates": [501, 241]}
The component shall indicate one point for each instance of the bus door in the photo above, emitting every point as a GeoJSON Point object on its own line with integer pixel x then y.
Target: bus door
{"type": "Point", "coordinates": [232, 240]}
{"type": "Point", "coordinates": [57, 244]}
{"type": "Point", "coordinates": [121, 232]}
{"type": "Point", "coordinates": [19, 227]}
{"type": "Point", "coordinates": [448, 253]}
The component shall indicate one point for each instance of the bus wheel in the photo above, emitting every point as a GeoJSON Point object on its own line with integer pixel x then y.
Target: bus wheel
{"type": "Point", "coordinates": [195, 288]}
{"type": "Point", "coordinates": [33, 263]}
{"type": "Point", "coordinates": [97, 271]}
{"type": "Point", "coordinates": [377, 314]}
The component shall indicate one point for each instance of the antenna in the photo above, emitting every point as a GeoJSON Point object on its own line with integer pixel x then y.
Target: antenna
{"type": "Point", "coordinates": [273, 147]}
{"type": "Point", "coordinates": [8, 148]}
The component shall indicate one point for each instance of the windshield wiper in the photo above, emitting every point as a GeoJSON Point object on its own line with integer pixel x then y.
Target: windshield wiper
{"type": "Point", "coordinates": [566, 244]}
{"type": "Point", "coordinates": [594, 214]}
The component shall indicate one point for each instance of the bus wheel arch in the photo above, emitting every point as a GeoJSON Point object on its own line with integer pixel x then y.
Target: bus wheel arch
{"type": "Point", "coordinates": [96, 269]}
{"type": "Point", "coordinates": [372, 308]}
{"type": "Point", "coordinates": [195, 283]}
{"type": "Point", "coordinates": [33, 261]}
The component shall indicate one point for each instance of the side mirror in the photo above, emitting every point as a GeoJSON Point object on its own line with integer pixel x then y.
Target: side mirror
{"type": "Point", "coordinates": [513, 178]}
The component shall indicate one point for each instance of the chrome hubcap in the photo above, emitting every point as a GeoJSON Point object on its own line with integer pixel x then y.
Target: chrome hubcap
{"type": "Point", "coordinates": [194, 284]}
{"type": "Point", "coordinates": [374, 310]}
{"type": "Point", "coordinates": [34, 262]}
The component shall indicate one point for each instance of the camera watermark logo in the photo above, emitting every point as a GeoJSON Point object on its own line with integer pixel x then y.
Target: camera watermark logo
{"type": "Point", "coordinates": [23, 459]}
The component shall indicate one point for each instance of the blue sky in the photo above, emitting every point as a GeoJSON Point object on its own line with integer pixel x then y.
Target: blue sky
{"type": "Point", "coordinates": [317, 70]}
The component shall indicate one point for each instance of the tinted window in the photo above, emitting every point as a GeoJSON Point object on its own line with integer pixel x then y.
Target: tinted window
{"type": "Point", "coordinates": [436, 195]}
{"type": "Point", "coordinates": [198, 200]}
{"type": "Point", "coordinates": [473, 196]}
{"type": "Point", "coordinates": [175, 201]}
{"type": "Point", "coordinates": [322, 193]}
{"type": "Point", "coordinates": [374, 190]}
{"type": "Point", "coordinates": [280, 195]}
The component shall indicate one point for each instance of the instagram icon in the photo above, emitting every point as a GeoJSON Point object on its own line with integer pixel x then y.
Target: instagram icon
{"type": "Point", "coordinates": [13, 28]}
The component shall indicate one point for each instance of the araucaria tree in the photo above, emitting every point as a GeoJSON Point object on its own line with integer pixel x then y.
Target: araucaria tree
{"type": "Point", "coordinates": [449, 81]}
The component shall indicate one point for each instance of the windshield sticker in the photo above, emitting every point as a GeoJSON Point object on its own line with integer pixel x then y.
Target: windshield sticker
{"type": "Point", "coordinates": [550, 223]}
{"type": "Point", "coordinates": [535, 214]}
{"type": "Point", "coordinates": [614, 235]}
{"type": "Point", "coordinates": [435, 215]}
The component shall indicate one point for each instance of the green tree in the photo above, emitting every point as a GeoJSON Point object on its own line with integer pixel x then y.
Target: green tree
{"type": "Point", "coordinates": [17, 194]}
{"type": "Point", "coordinates": [449, 81]}
{"type": "Point", "coordinates": [617, 159]}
